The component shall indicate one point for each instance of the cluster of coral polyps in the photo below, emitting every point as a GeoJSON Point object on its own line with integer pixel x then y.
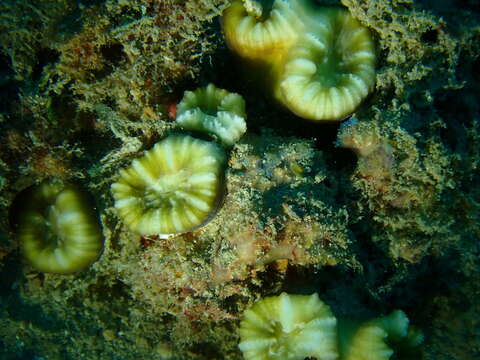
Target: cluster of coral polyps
{"type": "Point", "coordinates": [321, 59]}
{"type": "Point", "coordinates": [301, 326]}
{"type": "Point", "coordinates": [178, 185]}
{"type": "Point", "coordinates": [254, 240]}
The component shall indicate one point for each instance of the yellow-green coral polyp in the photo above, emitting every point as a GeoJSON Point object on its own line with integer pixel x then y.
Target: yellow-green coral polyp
{"type": "Point", "coordinates": [255, 34]}
{"type": "Point", "coordinates": [330, 70]}
{"type": "Point", "coordinates": [371, 340]}
{"type": "Point", "coordinates": [174, 188]}
{"type": "Point", "coordinates": [58, 228]}
{"type": "Point", "coordinates": [214, 111]}
{"type": "Point", "coordinates": [289, 327]}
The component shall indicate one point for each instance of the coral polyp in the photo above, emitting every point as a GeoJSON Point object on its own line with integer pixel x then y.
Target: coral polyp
{"type": "Point", "coordinates": [214, 111]}
{"type": "Point", "coordinates": [256, 32]}
{"type": "Point", "coordinates": [330, 71]}
{"type": "Point", "coordinates": [174, 188]}
{"type": "Point", "coordinates": [57, 227]}
{"type": "Point", "coordinates": [289, 327]}
{"type": "Point", "coordinates": [374, 339]}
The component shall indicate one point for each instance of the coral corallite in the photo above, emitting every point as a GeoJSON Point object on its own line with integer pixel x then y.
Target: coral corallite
{"type": "Point", "coordinates": [289, 327]}
{"type": "Point", "coordinates": [330, 70]}
{"type": "Point", "coordinates": [213, 111]}
{"type": "Point", "coordinates": [256, 33]}
{"type": "Point", "coordinates": [57, 227]}
{"type": "Point", "coordinates": [174, 188]}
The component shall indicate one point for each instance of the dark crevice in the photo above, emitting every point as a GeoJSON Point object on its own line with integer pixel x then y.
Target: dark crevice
{"type": "Point", "coordinates": [45, 56]}
{"type": "Point", "coordinates": [429, 36]}
{"type": "Point", "coordinates": [8, 85]}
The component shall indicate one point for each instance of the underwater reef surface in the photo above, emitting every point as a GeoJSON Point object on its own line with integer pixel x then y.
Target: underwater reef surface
{"type": "Point", "coordinates": [378, 213]}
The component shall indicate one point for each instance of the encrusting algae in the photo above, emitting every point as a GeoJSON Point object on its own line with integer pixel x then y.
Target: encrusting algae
{"type": "Point", "coordinates": [91, 87]}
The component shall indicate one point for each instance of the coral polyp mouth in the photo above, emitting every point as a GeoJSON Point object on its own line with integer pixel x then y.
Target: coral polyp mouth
{"type": "Point", "coordinates": [260, 9]}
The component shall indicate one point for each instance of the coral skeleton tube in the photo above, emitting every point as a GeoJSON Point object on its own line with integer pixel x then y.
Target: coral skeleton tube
{"type": "Point", "coordinates": [174, 188]}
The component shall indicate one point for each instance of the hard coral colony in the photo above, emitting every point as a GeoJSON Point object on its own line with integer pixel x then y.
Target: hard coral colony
{"type": "Point", "coordinates": [302, 326]}
{"type": "Point", "coordinates": [202, 230]}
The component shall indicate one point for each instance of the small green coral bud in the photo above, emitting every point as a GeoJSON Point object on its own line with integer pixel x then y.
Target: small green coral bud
{"type": "Point", "coordinates": [214, 111]}
{"type": "Point", "coordinates": [374, 339]}
{"type": "Point", "coordinates": [174, 188]}
{"type": "Point", "coordinates": [57, 227]}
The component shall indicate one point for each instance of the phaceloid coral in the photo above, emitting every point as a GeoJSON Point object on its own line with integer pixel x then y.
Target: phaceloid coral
{"type": "Point", "coordinates": [322, 60]}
